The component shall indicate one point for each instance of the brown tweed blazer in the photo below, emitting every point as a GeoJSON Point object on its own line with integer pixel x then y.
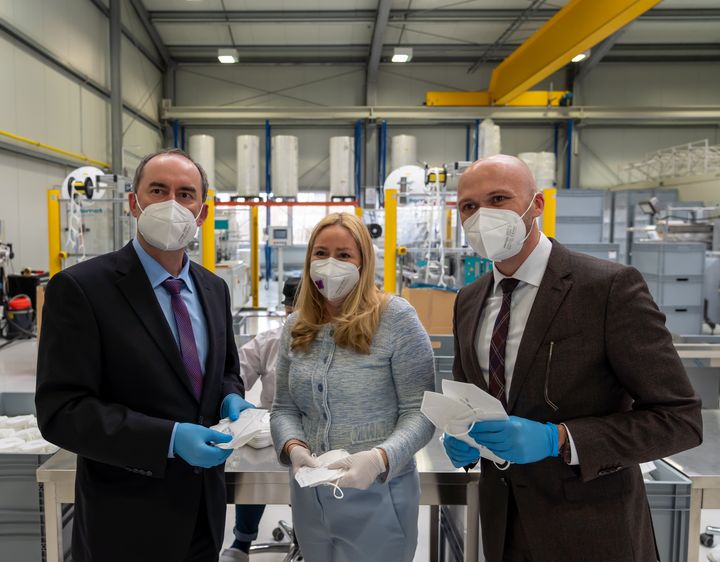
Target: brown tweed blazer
{"type": "Point", "coordinates": [614, 379]}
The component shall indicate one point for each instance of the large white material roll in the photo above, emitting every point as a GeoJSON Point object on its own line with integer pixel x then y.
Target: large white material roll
{"type": "Point", "coordinates": [404, 151]}
{"type": "Point", "coordinates": [342, 166]}
{"type": "Point", "coordinates": [284, 167]}
{"type": "Point", "coordinates": [542, 166]}
{"type": "Point", "coordinates": [248, 165]}
{"type": "Point", "coordinates": [489, 142]}
{"type": "Point", "coordinates": [202, 150]}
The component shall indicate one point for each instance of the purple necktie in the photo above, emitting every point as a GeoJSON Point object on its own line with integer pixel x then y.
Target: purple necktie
{"type": "Point", "coordinates": [498, 341]}
{"type": "Point", "coordinates": [188, 349]}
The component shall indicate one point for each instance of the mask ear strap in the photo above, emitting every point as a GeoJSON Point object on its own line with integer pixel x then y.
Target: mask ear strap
{"type": "Point", "coordinates": [338, 494]}
{"type": "Point", "coordinates": [137, 202]}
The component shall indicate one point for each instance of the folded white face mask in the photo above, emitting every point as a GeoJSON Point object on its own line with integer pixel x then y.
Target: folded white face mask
{"type": "Point", "coordinates": [250, 423]}
{"type": "Point", "coordinates": [322, 475]}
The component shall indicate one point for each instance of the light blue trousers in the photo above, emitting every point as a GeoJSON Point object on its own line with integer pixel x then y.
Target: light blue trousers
{"type": "Point", "coordinates": [380, 523]}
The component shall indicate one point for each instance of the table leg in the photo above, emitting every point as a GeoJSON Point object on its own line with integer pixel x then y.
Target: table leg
{"type": "Point", "coordinates": [53, 523]}
{"type": "Point", "coordinates": [696, 495]}
{"type": "Point", "coordinates": [434, 533]}
{"type": "Point", "coordinates": [472, 523]}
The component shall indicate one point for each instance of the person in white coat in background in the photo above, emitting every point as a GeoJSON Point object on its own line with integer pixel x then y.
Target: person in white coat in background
{"type": "Point", "coordinates": [258, 359]}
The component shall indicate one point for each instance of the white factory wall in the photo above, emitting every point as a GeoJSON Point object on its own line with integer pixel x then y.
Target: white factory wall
{"type": "Point", "coordinates": [42, 103]}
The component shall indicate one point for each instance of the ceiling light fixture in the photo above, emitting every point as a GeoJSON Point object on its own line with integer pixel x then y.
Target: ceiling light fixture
{"type": "Point", "coordinates": [228, 56]}
{"type": "Point", "coordinates": [581, 57]}
{"type": "Point", "coordinates": [402, 54]}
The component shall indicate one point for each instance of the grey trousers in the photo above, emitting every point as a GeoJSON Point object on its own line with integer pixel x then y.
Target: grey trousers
{"type": "Point", "coordinates": [380, 523]}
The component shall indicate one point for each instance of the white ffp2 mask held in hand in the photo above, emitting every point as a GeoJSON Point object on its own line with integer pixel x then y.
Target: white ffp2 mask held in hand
{"type": "Point", "coordinates": [322, 475]}
{"type": "Point", "coordinates": [167, 225]}
{"type": "Point", "coordinates": [248, 425]}
{"type": "Point", "coordinates": [456, 418]}
{"type": "Point", "coordinates": [496, 234]}
{"type": "Point", "coordinates": [334, 279]}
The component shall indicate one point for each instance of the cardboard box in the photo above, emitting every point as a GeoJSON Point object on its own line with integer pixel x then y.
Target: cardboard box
{"type": "Point", "coordinates": [434, 308]}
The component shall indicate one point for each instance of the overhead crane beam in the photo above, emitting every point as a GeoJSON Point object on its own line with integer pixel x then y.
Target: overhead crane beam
{"type": "Point", "coordinates": [577, 27]}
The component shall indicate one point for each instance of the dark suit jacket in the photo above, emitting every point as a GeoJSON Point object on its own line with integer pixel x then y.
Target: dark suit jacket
{"type": "Point", "coordinates": [110, 386]}
{"type": "Point", "coordinates": [614, 379]}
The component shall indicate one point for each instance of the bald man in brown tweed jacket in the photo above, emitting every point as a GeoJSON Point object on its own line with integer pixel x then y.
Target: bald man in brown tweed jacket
{"type": "Point", "coordinates": [589, 357]}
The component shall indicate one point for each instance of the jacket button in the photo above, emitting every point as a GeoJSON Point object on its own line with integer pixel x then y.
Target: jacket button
{"type": "Point", "coordinates": [324, 415]}
{"type": "Point", "coordinates": [320, 387]}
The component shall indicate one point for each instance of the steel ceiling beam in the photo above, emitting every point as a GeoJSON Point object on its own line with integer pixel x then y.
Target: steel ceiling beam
{"type": "Point", "coordinates": [152, 31]}
{"type": "Point", "coordinates": [710, 115]}
{"type": "Point", "coordinates": [373, 65]}
{"type": "Point", "coordinates": [429, 53]}
{"type": "Point", "coordinates": [599, 52]}
{"type": "Point", "coordinates": [417, 16]}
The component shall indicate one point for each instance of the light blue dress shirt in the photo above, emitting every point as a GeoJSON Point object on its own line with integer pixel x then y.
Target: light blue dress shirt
{"type": "Point", "coordinates": [157, 274]}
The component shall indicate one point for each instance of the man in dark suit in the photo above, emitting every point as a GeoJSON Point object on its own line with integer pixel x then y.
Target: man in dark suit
{"type": "Point", "coordinates": [137, 358]}
{"type": "Point", "coordinates": [578, 353]}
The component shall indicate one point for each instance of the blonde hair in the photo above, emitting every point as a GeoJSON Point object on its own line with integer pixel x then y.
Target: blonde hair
{"type": "Point", "coordinates": [361, 310]}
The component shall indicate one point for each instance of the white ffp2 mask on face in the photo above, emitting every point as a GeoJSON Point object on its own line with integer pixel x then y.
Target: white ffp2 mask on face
{"type": "Point", "coordinates": [334, 279]}
{"type": "Point", "coordinates": [167, 225]}
{"type": "Point", "coordinates": [497, 234]}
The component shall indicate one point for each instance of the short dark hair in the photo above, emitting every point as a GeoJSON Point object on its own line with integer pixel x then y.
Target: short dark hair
{"type": "Point", "coordinates": [141, 168]}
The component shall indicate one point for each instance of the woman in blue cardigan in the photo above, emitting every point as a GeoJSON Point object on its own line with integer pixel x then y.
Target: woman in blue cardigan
{"type": "Point", "coordinates": [353, 366]}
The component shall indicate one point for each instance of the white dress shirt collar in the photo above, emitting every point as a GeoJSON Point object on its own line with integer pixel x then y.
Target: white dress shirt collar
{"type": "Point", "coordinates": [533, 268]}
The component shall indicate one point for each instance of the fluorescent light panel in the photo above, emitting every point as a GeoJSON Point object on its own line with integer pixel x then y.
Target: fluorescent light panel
{"type": "Point", "coordinates": [227, 56]}
{"type": "Point", "coordinates": [402, 54]}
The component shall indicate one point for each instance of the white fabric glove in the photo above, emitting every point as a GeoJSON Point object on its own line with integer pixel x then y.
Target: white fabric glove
{"type": "Point", "coordinates": [300, 456]}
{"type": "Point", "coordinates": [362, 469]}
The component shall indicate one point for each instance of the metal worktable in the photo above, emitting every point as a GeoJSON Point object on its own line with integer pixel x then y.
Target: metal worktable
{"type": "Point", "coordinates": [255, 477]}
{"type": "Point", "coordinates": [702, 466]}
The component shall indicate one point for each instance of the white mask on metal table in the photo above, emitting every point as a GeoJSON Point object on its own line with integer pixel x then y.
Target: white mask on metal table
{"type": "Point", "coordinates": [167, 225]}
{"type": "Point", "coordinates": [334, 279]}
{"type": "Point", "coordinates": [497, 234]}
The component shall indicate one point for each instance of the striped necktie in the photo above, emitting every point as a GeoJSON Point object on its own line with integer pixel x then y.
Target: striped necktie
{"type": "Point", "coordinates": [499, 341]}
{"type": "Point", "coordinates": [188, 349]}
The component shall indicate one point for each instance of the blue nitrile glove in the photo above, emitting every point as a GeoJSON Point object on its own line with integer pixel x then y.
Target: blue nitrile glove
{"type": "Point", "coordinates": [460, 453]}
{"type": "Point", "coordinates": [192, 445]}
{"type": "Point", "coordinates": [517, 440]}
{"type": "Point", "coordinates": [232, 405]}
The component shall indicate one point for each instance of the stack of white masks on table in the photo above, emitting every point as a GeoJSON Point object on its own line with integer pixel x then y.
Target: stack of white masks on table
{"type": "Point", "coordinates": [20, 434]}
{"type": "Point", "coordinates": [458, 407]}
{"type": "Point", "coordinates": [251, 428]}
{"type": "Point", "coordinates": [322, 475]}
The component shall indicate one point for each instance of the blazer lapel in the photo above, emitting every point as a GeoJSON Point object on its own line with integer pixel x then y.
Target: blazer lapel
{"type": "Point", "coordinates": [552, 291]}
{"type": "Point", "coordinates": [485, 285]}
{"type": "Point", "coordinates": [136, 288]}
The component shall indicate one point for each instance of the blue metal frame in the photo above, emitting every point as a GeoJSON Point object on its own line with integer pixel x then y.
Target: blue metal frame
{"type": "Point", "coordinates": [382, 154]}
{"type": "Point", "coordinates": [268, 190]}
{"type": "Point", "coordinates": [176, 132]}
